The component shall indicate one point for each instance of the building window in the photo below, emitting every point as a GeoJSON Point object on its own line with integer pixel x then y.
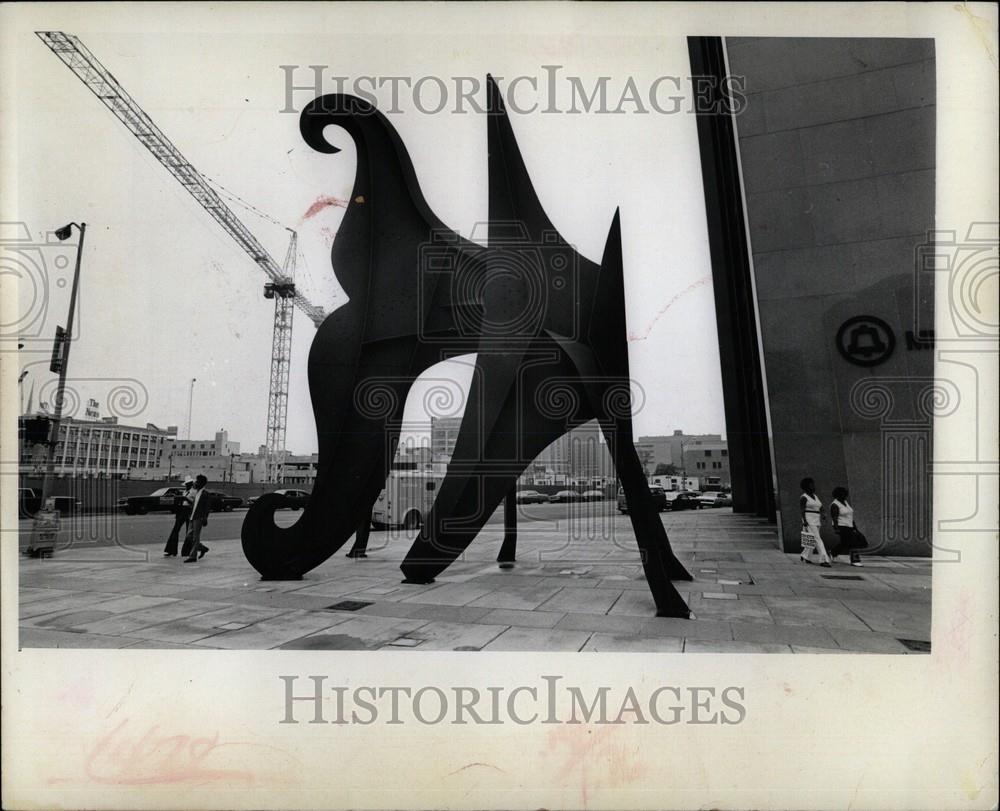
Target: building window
{"type": "Point", "coordinates": [708, 453]}
{"type": "Point", "coordinates": [724, 452]}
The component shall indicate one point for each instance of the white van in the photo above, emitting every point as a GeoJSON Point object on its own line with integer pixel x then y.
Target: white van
{"type": "Point", "coordinates": [406, 499]}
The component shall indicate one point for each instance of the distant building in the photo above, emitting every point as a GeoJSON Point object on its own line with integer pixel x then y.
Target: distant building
{"type": "Point", "coordinates": [668, 450]}
{"type": "Point", "coordinates": [301, 469]}
{"type": "Point", "coordinates": [444, 434]}
{"type": "Point", "coordinates": [709, 461]}
{"type": "Point", "coordinates": [220, 446]}
{"type": "Point", "coordinates": [96, 448]}
{"type": "Point", "coordinates": [218, 459]}
{"type": "Point", "coordinates": [578, 457]}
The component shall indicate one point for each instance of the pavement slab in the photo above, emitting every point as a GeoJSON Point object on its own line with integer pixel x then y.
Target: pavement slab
{"type": "Point", "coordinates": [601, 642]}
{"type": "Point", "coordinates": [577, 585]}
{"type": "Point", "coordinates": [524, 619]}
{"type": "Point", "coordinates": [582, 601]}
{"type": "Point", "coordinates": [730, 646]}
{"type": "Point", "coordinates": [54, 638]}
{"type": "Point", "coordinates": [539, 639]}
{"type": "Point", "coordinates": [623, 625]}
{"type": "Point", "coordinates": [277, 631]}
{"type": "Point", "coordinates": [524, 599]}
{"type": "Point", "coordinates": [451, 636]}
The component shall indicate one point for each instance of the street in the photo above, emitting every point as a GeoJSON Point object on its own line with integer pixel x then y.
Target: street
{"type": "Point", "coordinates": [583, 518]}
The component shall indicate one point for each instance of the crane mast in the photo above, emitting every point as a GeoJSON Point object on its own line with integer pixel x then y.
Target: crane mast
{"type": "Point", "coordinates": [99, 80]}
{"type": "Point", "coordinates": [281, 356]}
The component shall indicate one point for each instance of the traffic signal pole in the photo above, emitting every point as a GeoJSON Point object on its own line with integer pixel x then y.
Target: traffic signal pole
{"type": "Point", "coordinates": [63, 356]}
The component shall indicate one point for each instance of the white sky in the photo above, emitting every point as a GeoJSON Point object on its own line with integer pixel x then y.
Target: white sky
{"type": "Point", "coordinates": [166, 295]}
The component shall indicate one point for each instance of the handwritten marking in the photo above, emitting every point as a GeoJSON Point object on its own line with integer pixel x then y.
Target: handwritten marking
{"type": "Point", "coordinates": [126, 759]}
{"type": "Point", "coordinates": [633, 336]}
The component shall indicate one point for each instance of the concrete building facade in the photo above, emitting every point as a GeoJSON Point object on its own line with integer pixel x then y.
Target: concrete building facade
{"type": "Point", "coordinates": [836, 147]}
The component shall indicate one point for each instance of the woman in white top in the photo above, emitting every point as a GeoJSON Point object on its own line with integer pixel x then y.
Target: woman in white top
{"type": "Point", "coordinates": [842, 515]}
{"type": "Point", "coordinates": [812, 517]}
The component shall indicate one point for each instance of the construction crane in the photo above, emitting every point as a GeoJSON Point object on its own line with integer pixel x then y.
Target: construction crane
{"type": "Point", "coordinates": [281, 287]}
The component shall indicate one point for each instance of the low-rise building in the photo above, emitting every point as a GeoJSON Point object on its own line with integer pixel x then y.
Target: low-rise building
{"type": "Point", "coordinates": [709, 461]}
{"type": "Point", "coordinates": [668, 449]}
{"type": "Point", "coordinates": [100, 448]}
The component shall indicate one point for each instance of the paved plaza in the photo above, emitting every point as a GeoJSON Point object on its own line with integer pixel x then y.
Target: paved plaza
{"type": "Point", "coordinates": [577, 586]}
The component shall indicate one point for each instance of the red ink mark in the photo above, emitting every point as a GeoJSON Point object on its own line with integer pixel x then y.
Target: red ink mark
{"type": "Point", "coordinates": [632, 336]}
{"type": "Point", "coordinates": [320, 204]}
{"type": "Point", "coordinates": [124, 758]}
{"type": "Point", "coordinates": [597, 758]}
{"type": "Point", "coordinates": [77, 692]}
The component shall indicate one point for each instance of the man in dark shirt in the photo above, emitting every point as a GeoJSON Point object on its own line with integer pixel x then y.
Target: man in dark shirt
{"type": "Point", "coordinates": [200, 508]}
{"type": "Point", "coordinates": [182, 513]}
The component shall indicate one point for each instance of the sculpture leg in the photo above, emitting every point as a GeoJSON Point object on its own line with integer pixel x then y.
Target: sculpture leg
{"type": "Point", "coordinates": [508, 549]}
{"type": "Point", "coordinates": [361, 539]}
{"type": "Point", "coordinates": [501, 435]}
{"type": "Point", "coordinates": [658, 561]}
{"type": "Point", "coordinates": [356, 440]}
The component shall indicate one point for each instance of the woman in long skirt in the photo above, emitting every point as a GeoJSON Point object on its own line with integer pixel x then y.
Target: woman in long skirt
{"type": "Point", "coordinates": [812, 517]}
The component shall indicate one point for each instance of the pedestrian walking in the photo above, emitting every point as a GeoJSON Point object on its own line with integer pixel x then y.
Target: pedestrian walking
{"type": "Point", "coordinates": [182, 514]}
{"type": "Point", "coordinates": [812, 518]}
{"type": "Point", "coordinates": [850, 539]}
{"type": "Point", "coordinates": [200, 507]}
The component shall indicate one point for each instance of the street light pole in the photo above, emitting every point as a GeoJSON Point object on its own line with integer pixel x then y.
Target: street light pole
{"type": "Point", "coordinates": [190, 405]}
{"type": "Point", "coordinates": [67, 343]}
{"type": "Point", "coordinates": [20, 389]}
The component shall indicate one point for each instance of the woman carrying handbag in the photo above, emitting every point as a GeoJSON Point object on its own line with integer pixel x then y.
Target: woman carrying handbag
{"type": "Point", "coordinates": [842, 515]}
{"type": "Point", "coordinates": [812, 517]}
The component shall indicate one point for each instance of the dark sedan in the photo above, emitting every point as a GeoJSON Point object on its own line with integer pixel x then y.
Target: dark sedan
{"type": "Point", "coordinates": [167, 499]}
{"type": "Point", "coordinates": [162, 500]}
{"type": "Point", "coordinates": [294, 499]}
{"type": "Point", "coordinates": [682, 501]}
{"type": "Point", "coordinates": [222, 502]}
{"type": "Point", "coordinates": [658, 494]}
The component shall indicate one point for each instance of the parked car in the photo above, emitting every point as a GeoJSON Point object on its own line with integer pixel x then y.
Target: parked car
{"type": "Point", "coordinates": [715, 500]}
{"type": "Point", "coordinates": [565, 496]}
{"type": "Point", "coordinates": [659, 498]}
{"type": "Point", "coordinates": [531, 497]}
{"type": "Point", "coordinates": [166, 499]}
{"type": "Point", "coordinates": [29, 501]}
{"type": "Point", "coordinates": [297, 498]}
{"type": "Point", "coordinates": [593, 495]}
{"type": "Point", "coordinates": [162, 500]}
{"type": "Point", "coordinates": [222, 502]}
{"type": "Point", "coordinates": [682, 501]}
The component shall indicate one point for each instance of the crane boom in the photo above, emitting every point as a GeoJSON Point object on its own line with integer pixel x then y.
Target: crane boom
{"type": "Point", "coordinates": [103, 84]}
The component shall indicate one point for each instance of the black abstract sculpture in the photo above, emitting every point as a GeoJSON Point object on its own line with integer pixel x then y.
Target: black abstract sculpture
{"type": "Point", "coordinates": [548, 327]}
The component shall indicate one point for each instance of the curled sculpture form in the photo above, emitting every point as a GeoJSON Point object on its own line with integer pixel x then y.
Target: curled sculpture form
{"type": "Point", "coordinates": [538, 315]}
